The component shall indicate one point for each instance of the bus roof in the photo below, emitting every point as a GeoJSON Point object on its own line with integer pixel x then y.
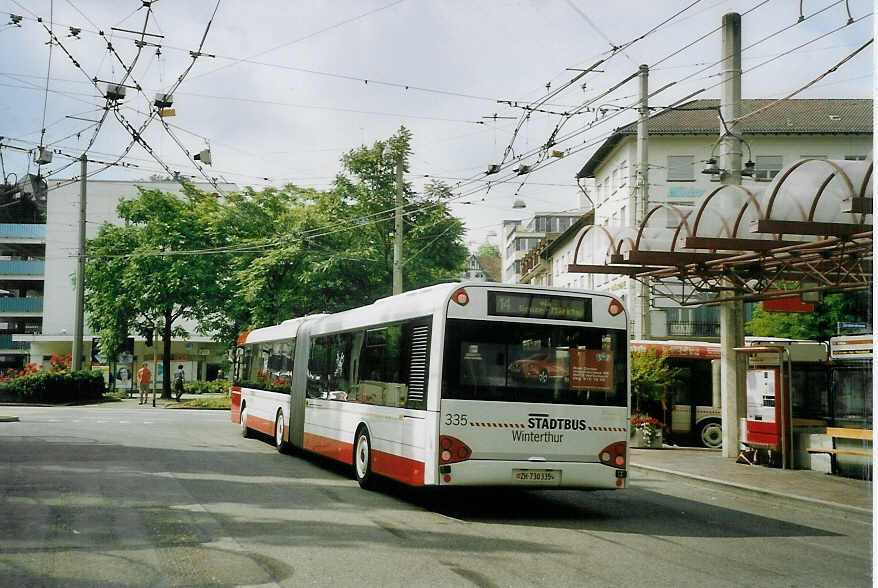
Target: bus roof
{"type": "Point", "coordinates": [286, 330]}
{"type": "Point", "coordinates": [414, 303]}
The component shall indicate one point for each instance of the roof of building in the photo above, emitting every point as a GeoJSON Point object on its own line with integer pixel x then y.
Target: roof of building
{"type": "Point", "coordinates": [491, 266]}
{"type": "Point", "coordinates": [821, 116]}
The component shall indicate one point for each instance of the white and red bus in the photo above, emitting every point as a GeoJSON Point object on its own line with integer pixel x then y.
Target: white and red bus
{"type": "Point", "coordinates": [452, 385]}
{"type": "Point", "coordinates": [694, 412]}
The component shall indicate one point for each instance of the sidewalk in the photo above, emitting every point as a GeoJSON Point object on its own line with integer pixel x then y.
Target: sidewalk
{"type": "Point", "coordinates": [711, 466]}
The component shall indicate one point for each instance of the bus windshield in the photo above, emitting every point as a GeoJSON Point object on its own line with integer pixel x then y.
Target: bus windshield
{"type": "Point", "coordinates": [526, 362]}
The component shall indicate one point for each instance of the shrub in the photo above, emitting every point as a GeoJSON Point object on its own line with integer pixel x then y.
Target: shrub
{"type": "Point", "coordinates": [55, 387]}
{"type": "Point", "coordinates": [213, 387]}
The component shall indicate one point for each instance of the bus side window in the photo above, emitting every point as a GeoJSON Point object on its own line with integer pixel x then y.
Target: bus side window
{"type": "Point", "coordinates": [316, 385]}
{"type": "Point", "coordinates": [239, 363]}
{"type": "Point", "coordinates": [380, 380]}
{"type": "Point", "coordinates": [338, 383]}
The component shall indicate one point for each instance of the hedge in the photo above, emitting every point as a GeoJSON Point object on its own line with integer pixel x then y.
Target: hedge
{"type": "Point", "coordinates": [212, 387]}
{"type": "Point", "coordinates": [55, 387]}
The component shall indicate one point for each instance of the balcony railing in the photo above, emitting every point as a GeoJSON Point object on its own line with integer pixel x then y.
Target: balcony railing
{"type": "Point", "coordinates": [26, 268]}
{"type": "Point", "coordinates": [21, 304]}
{"type": "Point", "coordinates": [22, 231]}
{"type": "Point", "coordinates": [6, 342]}
{"type": "Point", "coordinates": [693, 329]}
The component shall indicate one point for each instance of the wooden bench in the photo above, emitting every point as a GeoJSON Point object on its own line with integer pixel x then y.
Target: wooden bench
{"type": "Point", "coordinates": [842, 433]}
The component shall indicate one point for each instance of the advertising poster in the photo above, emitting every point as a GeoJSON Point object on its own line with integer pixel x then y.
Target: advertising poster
{"type": "Point", "coordinates": [591, 369]}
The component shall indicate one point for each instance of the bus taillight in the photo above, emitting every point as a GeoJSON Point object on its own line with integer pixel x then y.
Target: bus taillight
{"type": "Point", "coordinates": [615, 308]}
{"type": "Point", "coordinates": [613, 455]}
{"type": "Point", "coordinates": [452, 450]}
{"type": "Point", "coordinates": [460, 296]}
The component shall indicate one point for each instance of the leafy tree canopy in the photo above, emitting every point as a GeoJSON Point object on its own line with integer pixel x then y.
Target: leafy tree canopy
{"type": "Point", "coordinates": [819, 325]}
{"type": "Point", "coordinates": [137, 277]}
{"type": "Point", "coordinates": [259, 257]}
{"type": "Point", "coordinates": [488, 250]}
{"type": "Point", "coordinates": [329, 251]}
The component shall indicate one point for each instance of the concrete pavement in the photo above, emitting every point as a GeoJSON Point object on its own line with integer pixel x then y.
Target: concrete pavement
{"type": "Point", "coordinates": [801, 485]}
{"type": "Point", "coordinates": [698, 464]}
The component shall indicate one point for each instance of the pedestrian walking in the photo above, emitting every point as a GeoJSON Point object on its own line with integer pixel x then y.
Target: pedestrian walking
{"type": "Point", "coordinates": [143, 376]}
{"type": "Point", "coordinates": [179, 381]}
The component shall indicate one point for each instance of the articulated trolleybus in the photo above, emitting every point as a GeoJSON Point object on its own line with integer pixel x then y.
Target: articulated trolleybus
{"type": "Point", "coordinates": [472, 384]}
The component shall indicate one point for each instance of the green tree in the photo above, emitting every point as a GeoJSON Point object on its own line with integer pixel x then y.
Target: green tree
{"type": "Point", "coordinates": [488, 250]}
{"type": "Point", "coordinates": [138, 279]}
{"type": "Point", "coordinates": [818, 325]}
{"type": "Point", "coordinates": [651, 379]}
{"type": "Point", "coordinates": [315, 251]}
{"type": "Point", "coordinates": [432, 247]}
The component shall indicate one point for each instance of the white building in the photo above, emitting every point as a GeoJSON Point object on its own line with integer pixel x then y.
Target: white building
{"type": "Point", "coordinates": [680, 143]}
{"type": "Point", "coordinates": [48, 325]}
{"type": "Point", "coordinates": [519, 237]}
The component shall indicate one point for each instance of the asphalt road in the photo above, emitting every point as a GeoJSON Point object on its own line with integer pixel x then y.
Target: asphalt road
{"type": "Point", "coordinates": [116, 495]}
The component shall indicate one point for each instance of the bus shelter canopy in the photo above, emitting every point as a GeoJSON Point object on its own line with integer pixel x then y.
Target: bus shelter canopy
{"type": "Point", "coordinates": [808, 230]}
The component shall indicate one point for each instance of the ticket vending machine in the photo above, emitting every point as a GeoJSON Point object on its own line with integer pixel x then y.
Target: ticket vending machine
{"type": "Point", "coordinates": [769, 415]}
{"type": "Point", "coordinates": [764, 402]}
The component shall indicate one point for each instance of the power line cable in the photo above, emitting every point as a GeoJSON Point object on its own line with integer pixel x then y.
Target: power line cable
{"type": "Point", "coordinates": [303, 38]}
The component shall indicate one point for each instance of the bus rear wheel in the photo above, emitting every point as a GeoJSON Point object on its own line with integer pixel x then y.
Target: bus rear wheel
{"type": "Point", "coordinates": [710, 434]}
{"type": "Point", "coordinates": [279, 443]}
{"type": "Point", "coordinates": [363, 458]}
{"type": "Point", "coordinates": [245, 430]}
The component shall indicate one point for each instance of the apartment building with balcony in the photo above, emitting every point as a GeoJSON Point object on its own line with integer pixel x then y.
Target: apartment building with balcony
{"type": "Point", "coordinates": [22, 278]}
{"type": "Point", "coordinates": [39, 270]}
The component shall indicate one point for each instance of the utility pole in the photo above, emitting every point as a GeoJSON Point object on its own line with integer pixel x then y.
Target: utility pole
{"type": "Point", "coordinates": [643, 172]}
{"type": "Point", "coordinates": [79, 302]}
{"type": "Point", "coordinates": [732, 374]}
{"type": "Point", "coordinates": [397, 231]}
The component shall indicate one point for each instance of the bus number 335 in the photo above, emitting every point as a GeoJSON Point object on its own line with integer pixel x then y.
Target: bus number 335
{"type": "Point", "coordinates": [455, 419]}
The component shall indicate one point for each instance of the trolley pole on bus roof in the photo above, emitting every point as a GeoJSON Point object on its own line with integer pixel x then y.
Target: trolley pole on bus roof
{"type": "Point", "coordinates": [397, 232]}
{"type": "Point", "coordinates": [79, 302]}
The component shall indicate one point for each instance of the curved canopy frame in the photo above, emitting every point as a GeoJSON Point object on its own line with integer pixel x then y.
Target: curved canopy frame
{"type": "Point", "coordinates": [809, 230]}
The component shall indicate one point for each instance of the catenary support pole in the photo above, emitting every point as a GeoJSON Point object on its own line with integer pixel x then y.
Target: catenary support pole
{"type": "Point", "coordinates": [731, 313]}
{"type": "Point", "coordinates": [397, 232]}
{"type": "Point", "coordinates": [79, 301]}
{"type": "Point", "coordinates": [643, 186]}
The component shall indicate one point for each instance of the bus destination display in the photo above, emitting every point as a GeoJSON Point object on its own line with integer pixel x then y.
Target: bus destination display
{"type": "Point", "coordinates": [522, 305]}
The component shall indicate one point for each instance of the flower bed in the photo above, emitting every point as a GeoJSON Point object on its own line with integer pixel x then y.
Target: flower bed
{"type": "Point", "coordinates": [646, 431]}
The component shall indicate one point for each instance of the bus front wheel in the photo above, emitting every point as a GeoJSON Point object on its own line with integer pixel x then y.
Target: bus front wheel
{"type": "Point", "coordinates": [363, 458]}
{"type": "Point", "coordinates": [710, 434]}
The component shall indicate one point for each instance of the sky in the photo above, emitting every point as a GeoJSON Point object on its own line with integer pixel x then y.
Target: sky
{"type": "Point", "coordinates": [285, 88]}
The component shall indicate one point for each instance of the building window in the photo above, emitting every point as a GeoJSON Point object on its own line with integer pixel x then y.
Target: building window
{"type": "Point", "coordinates": [564, 224]}
{"type": "Point", "coordinates": [767, 166]}
{"type": "Point", "coordinates": [622, 216]}
{"type": "Point", "coordinates": [623, 179]}
{"type": "Point", "coordinates": [681, 168]}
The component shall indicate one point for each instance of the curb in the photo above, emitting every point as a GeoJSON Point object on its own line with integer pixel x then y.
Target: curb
{"type": "Point", "coordinates": [755, 489]}
{"type": "Point", "coordinates": [8, 419]}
